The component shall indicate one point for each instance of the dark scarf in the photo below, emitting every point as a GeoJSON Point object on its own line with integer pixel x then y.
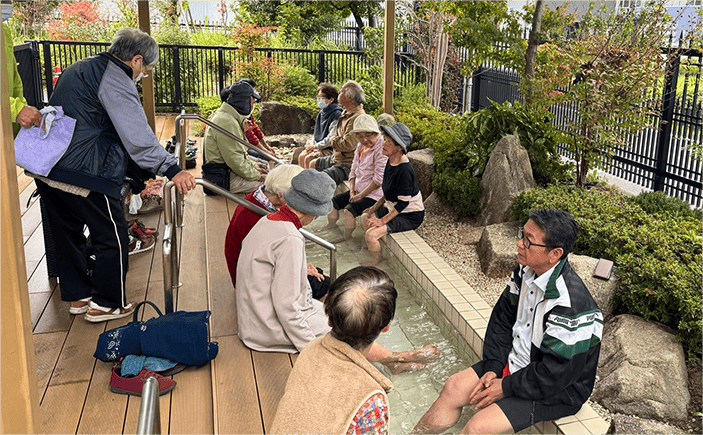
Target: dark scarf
{"type": "Point", "coordinates": [287, 215]}
{"type": "Point", "coordinates": [324, 119]}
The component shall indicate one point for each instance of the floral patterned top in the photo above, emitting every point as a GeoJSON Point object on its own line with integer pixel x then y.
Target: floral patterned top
{"type": "Point", "coordinates": [371, 417]}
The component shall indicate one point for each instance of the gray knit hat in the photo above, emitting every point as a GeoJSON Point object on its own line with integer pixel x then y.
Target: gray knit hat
{"type": "Point", "coordinates": [400, 134]}
{"type": "Point", "coordinates": [311, 192]}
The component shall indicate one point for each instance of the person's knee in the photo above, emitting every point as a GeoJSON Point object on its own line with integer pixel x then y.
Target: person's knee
{"type": "Point", "coordinates": [455, 387]}
{"type": "Point", "coordinates": [348, 216]}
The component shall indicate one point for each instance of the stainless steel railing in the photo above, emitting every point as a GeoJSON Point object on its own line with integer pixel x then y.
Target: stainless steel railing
{"type": "Point", "coordinates": [149, 413]}
{"type": "Point", "coordinates": [171, 269]}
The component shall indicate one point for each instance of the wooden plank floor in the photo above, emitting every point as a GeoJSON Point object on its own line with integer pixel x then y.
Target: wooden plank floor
{"type": "Point", "coordinates": [238, 392]}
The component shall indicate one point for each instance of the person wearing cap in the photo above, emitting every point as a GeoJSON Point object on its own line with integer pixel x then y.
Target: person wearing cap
{"type": "Point", "coordinates": [365, 176]}
{"type": "Point", "coordinates": [222, 153]}
{"type": "Point", "coordinates": [275, 308]}
{"type": "Point", "coordinates": [325, 125]}
{"type": "Point", "coordinates": [252, 130]}
{"type": "Point", "coordinates": [400, 208]}
{"type": "Point", "coordinates": [338, 165]}
{"type": "Point", "coordinates": [269, 197]}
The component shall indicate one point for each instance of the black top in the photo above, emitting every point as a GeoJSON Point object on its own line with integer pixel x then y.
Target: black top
{"type": "Point", "coordinates": [399, 181]}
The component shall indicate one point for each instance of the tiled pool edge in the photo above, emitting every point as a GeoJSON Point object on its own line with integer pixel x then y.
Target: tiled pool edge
{"type": "Point", "coordinates": [452, 303]}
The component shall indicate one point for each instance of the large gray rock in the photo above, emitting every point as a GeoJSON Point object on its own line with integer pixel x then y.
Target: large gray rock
{"type": "Point", "coordinates": [627, 424]}
{"type": "Point", "coordinates": [433, 204]}
{"type": "Point", "coordinates": [423, 165]}
{"type": "Point", "coordinates": [277, 118]}
{"type": "Point", "coordinates": [508, 172]}
{"type": "Point", "coordinates": [601, 290]}
{"type": "Point", "coordinates": [642, 370]}
{"type": "Point", "coordinates": [497, 249]}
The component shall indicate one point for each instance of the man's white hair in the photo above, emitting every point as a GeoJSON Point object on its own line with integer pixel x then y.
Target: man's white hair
{"type": "Point", "coordinates": [278, 180]}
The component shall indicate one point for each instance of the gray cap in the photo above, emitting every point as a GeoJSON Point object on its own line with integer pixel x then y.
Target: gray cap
{"type": "Point", "coordinates": [242, 89]}
{"type": "Point", "coordinates": [311, 192]}
{"type": "Point", "coordinates": [400, 134]}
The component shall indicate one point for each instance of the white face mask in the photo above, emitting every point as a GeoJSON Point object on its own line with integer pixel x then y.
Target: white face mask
{"type": "Point", "coordinates": [321, 103]}
{"type": "Point", "coordinates": [141, 75]}
{"type": "Point", "coordinates": [7, 12]}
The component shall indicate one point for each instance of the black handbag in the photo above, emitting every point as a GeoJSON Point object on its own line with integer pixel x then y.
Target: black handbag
{"type": "Point", "coordinates": [216, 173]}
{"type": "Point", "coordinates": [181, 336]}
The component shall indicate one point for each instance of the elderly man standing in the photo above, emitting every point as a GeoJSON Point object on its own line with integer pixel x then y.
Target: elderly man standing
{"type": "Point", "coordinates": [337, 166]}
{"type": "Point", "coordinates": [542, 343]}
{"type": "Point", "coordinates": [360, 306]}
{"type": "Point", "coordinates": [83, 188]}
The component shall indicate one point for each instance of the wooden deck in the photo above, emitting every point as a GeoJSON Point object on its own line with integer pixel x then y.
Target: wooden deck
{"type": "Point", "coordinates": [238, 392]}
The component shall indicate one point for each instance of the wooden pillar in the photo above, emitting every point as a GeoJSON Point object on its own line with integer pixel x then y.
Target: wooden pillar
{"type": "Point", "coordinates": [148, 82]}
{"type": "Point", "coordinates": [18, 372]}
{"type": "Point", "coordinates": [388, 57]}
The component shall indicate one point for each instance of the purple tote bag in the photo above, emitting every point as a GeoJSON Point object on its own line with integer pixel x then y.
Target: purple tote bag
{"type": "Point", "coordinates": [38, 148]}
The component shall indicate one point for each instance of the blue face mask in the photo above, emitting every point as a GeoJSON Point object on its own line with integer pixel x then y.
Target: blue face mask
{"type": "Point", "coordinates": [321, 103]}
{"type": "Point", "coordinates": [7, 11]}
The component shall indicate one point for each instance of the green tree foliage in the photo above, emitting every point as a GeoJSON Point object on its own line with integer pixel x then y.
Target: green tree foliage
{"type": "Point", "coordinates": [298, 22]}
{"type": "Point", "coordinates": [32, 16]}
{"type": "Point", "coordinates": [610, 70]}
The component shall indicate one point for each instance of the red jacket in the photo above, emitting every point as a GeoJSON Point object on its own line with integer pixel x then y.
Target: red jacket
{"type": "Point", "coordinates": [243, 220]}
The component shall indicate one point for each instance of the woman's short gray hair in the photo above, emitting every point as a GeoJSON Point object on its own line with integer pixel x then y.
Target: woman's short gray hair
{"type": "Point", "coordinates": [278, 179]}
{"type": "Point", "coordinates": [355, 91]}
{"type": "Point", "coordinates": [130, 42]}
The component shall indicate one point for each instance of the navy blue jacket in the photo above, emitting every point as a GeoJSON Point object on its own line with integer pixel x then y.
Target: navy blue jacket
{"type": "Point", "coordinates": [111, 126]}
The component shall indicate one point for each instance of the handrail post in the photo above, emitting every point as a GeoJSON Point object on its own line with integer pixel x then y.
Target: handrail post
{"type": "Point", "coordinates": [183, 136]}
{"type": "Point", "coordinates": [149, 412]}
{"type": "Point", "coordinates": [170, 256]}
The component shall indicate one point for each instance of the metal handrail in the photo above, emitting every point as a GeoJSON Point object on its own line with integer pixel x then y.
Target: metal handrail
{"type": "Point", "coordinates": [171, 268]}
{"type": "Point", "coordinates": [195, 117]}
{"type": "Point", "coordinates": [149, 412]}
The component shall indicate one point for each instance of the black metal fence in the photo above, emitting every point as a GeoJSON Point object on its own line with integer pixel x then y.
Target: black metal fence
{"type": "Point", "coordinates": [185, 73]}
{"type": "Point", "coordinates": [657, 159]}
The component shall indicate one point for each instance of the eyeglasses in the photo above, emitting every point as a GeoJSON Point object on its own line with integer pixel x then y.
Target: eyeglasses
{"type": "Point", "coordinates": [526, 241]}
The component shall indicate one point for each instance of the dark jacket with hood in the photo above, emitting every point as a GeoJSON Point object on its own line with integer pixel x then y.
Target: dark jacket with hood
{"type": "Point", "coordinates": [111, 126]}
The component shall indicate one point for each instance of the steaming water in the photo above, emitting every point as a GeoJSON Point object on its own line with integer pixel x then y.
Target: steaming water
{"type": "Point", "coordinates": [411, 328]}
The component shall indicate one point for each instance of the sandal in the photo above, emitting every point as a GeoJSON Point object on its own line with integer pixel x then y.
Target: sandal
{"type": "Point", "coordinates": [138, 229]}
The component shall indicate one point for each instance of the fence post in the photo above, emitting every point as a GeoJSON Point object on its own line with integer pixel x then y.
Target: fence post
{"type": "Point", "coordinates": [220, 68]}
{"type": "Point", "coordinates": [476, 90]}
{"type": "Point", "coordinates": [177, 78]}
{"type": "Point", "coordinates": [321, 73]}
{"type": "Point", "coordinates": [48, 69]}
{"type": "Point", "coordinates": [667, 116]}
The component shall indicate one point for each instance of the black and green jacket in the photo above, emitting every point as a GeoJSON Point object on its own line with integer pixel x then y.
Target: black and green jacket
{"type": "Point", "coordinates": [565, 340]}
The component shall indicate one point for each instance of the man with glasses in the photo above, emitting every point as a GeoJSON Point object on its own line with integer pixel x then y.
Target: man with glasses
{"type": "Point", "coordinates": [542, 342]}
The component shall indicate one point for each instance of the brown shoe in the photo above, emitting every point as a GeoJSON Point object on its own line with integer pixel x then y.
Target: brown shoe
{"type": "Point", "coordinates": [80, 306]}
{"type": "Point", "coordinates": [150, 204]}
{"type": "Point", "coordinates": [96, 313]}
{"type": "Point", "coordinates": [141, 244]}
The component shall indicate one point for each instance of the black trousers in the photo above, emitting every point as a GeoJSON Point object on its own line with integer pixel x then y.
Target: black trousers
{"type": "Point", "coordinates": [104, 216]}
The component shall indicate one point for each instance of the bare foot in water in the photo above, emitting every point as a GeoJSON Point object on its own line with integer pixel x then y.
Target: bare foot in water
{"type": "Point", "coordinates": [426, 354]}
{"type": "Point", "coordinates": [400, 367]}
{"type": "Point", "coordinates": [372, 262]}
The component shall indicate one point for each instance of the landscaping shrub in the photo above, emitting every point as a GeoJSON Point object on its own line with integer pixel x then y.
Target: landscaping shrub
{"type": "Point", "coordinates": [658, 254]}
{"type": "Point", "coordinates": [208, 104]}
{"type": "Point", "coordinates": [431, 128]}
{"type": "Point", "coordinates": [460, 189]}
{"type": "Point", "coordinates": [299, 82]}
{"type": "Point", "coordinates": [658, 203]}
{"type": "Point", "coordinates": [308, 103]}
{"type": "Point", "coordinates": [467, 155]}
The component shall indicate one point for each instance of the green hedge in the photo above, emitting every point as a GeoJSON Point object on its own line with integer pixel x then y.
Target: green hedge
{"type": "Point", "coordinates": [658, 252]}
